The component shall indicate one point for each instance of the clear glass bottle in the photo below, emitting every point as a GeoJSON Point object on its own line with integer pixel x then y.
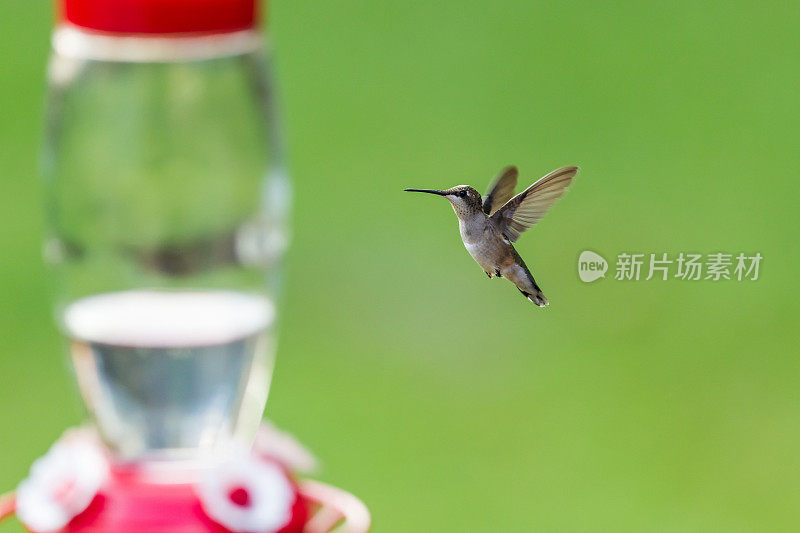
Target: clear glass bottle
{"type": "Point", "coordinates": [167, 200]}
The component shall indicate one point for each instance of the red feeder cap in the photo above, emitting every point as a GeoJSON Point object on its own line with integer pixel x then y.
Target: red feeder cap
{"type": "Point", "coordinates": [161, 16]}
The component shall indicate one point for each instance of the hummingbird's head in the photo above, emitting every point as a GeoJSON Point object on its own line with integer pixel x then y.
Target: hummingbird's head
{"type": "Point", "coordinates": [465, 200]}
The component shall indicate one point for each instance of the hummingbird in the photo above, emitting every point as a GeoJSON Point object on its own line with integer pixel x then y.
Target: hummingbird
{"type": "Point", "coordinates": [489, 225]}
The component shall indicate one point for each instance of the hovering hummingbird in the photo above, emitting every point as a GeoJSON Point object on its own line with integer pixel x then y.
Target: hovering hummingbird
{"type": "Point", "coordinates": [489, 225]}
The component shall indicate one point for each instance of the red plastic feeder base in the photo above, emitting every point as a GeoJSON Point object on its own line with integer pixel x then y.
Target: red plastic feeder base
{"type": "Point", "coordinates": [130, 505]}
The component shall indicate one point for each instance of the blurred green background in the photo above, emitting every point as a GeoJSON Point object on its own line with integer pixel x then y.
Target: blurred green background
{"type": "Point", "coordinates": [443, 399]}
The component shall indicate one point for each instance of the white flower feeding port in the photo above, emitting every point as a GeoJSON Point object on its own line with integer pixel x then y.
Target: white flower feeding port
{"type": "Point", "coordinates": [76, 487]}
{"type": "Point", "coordinates": [247, 493]}
{"type": "Point", "coordinates": [61, 485]}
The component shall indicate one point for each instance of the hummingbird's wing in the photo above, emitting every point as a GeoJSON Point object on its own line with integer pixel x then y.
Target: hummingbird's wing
{"type": "Point", "coordinates": [501, 190]}
{"type": "Point", "coordinates": [528, 207]}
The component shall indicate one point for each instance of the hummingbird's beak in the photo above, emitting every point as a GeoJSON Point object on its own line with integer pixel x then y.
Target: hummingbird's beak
{"type": "Point", "coordinates": [431, 191]}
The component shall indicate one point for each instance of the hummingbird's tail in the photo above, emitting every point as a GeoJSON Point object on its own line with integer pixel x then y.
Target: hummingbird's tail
{"type": "Point", "coordinates": [527, 285]}
{"type": "Point", "coordinates": [537, 296]}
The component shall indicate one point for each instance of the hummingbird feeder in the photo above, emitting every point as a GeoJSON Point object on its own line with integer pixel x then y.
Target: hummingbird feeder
{"type": "Point", "coordinates": [167, 201]}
